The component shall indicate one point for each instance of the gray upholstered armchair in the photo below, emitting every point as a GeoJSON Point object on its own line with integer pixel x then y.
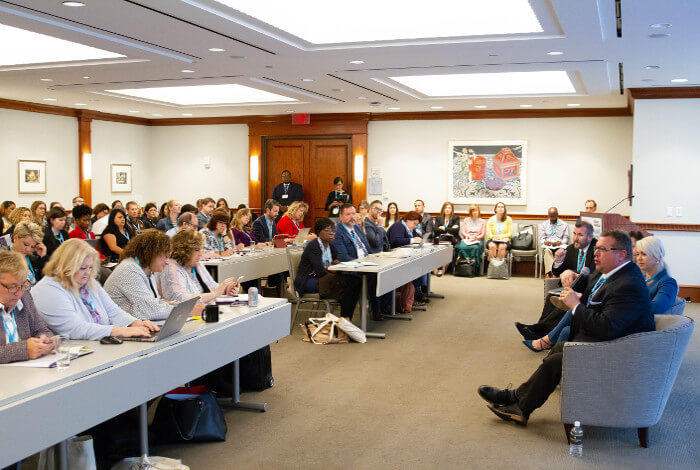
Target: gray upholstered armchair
{"type": "Point", "coordinates": [624, 383]}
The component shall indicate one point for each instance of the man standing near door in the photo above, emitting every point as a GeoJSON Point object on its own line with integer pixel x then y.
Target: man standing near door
{"type": "Point", "coordinates": [287, 192]}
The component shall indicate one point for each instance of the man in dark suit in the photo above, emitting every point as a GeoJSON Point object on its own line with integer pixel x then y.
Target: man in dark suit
{"type": "Point", "coordinates": [264, 227]}
{"type": "Point", "coordinates": [567, 264]}
{"type": "Point", "coordinates": [614, 304]}
{"type": "Point", "coordinates": [287, 191]}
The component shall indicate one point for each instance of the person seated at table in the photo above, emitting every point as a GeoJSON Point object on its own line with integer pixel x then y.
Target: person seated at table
{"type": "Point", "coordinates": [185, 276]}
{"type": "Point", "coordinates": [100, 218]}
{"type": "Point", "coordinates": [171, 211]}
{"type": "Point", "coordinates": [38, 210]}
{"type": "Point", "coordinates": [25, 334]}
{"type": "Point", "coordinates": [293, 220]}
{"type": "Point", "coordinates": [264, 227]}
{"type": "Point", "coordinates": [472, 233]}
{"type": "Point", "coordinates": [81, 218]}
{"type": "Point", "coordinates": [392, 215]}
{"type": "Point", "coordinates": [186, 221]}
{"type": "Point", "coordinates": [5, 209]}
{"type": "Point", "coordinates": [115, 236]}
{"type": "Point", "coordinates": [73, 303]}
{"type": "Point", "coordinates": [447, 227]}
{"type": "Point", "coordinates": [150, 216]}
{"type": "Point", "coordinates": [499, 230]}
{"type": "Point", "coordinates": [205, 208]}
{"type": "Point", "coordinates": [133, 219]}
{"type": "Point", "coordinates": [27, 240]}
{"type": "Point", "coordinates": [217, 241]}
{"type": "Point", "coordinates": [374, 228]}
{"type": "Point", "coordinates": [242, 235]}
{"type": "Point", "coordinates": [361, 214]}
{"type": "Point", "coordinates": [554, 235]}
{"type": "Point", "coordinates": [404, 233]}
{"type": "Point", "coordinates": [336, 198]}
{"type": "Point", "coordinates": [221, 203]}
{"type": "Point", "coordinates": [54, 232]}
{"type": "Point", "coordinates": [18, 214]}
{"type": "Point", "coordinates": [132, 285]}
{"type": "Point", "coordinates": [426, 229]}
{"type": "Point", "coordinates": [313, 275]}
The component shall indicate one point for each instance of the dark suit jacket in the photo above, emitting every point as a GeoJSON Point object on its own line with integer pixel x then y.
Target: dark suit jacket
{"type": "Point", "coordinates": [449, 226]}
{"type": "Point", "coordinates": [294, 193]}
{"type": "Point", "coordinates": [51, 241]}
{"type": "Point", "coordinates": [571, 259]}
{"type": "Point", "coordinates": [311, 264]}
{"type": "Point", "coordinates": [342, 198]}
{"type": "Point", "coordinates": [377, 237]}
{"type": "Point", "coordinates": [344, 245]}
{"type": "Point", "coordinates": [398, 236]}
{"type": "Point", "coordinates": [260, 231]}
{"type": "Point", "coordinates": [427, 227]}
{"type": "Point", "coordinates": [619, 307]}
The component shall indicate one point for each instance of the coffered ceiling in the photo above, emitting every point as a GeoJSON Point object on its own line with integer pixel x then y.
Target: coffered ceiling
{"type": "Point", "coordinates": [382, 57]}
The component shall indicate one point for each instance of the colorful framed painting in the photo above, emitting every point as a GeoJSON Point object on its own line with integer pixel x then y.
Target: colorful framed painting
{"type": "Point", "coordinates": [121, 178]}
{"type": "Point", "coordinates": [31, 176]}
{"type": "Point", "coordinates": [487, 171]}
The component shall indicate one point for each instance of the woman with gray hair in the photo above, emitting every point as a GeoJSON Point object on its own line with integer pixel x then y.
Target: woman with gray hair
{"type": "Point", "coordinates": [24, 334]}
{"type": "Point", "coordinates": [649, 255]}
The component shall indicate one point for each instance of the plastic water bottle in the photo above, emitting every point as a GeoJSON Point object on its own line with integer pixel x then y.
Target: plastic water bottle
{"type": "Point", "coordinates": [576, 440]}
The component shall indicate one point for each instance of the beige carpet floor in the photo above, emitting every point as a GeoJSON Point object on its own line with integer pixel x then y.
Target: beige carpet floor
{"type": "Point", "coordinates": [410, 401]}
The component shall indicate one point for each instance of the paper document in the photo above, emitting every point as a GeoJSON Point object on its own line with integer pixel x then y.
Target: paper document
{"type": "Point", "coordinates": [473, 242]}
{"type": "Point", "coordinates": [358, 264]}
{"type": "Point", "coordinates": [50, 360]}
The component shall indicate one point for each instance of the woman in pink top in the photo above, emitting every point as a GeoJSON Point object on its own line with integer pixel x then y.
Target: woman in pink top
{"type": "Point", "coordinates": [472, 231]}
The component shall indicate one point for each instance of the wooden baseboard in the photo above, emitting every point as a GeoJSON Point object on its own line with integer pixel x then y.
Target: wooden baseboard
{"type": "Point", "coordinates": [689, 292]}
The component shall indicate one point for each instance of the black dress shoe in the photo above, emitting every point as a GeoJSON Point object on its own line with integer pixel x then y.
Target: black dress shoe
{"type": "Point", "coordinates": [509, 413]}
{"type": "Point", "coordinates": [497, 396]}
{"type": "Point", "coordinates": [526, 331]}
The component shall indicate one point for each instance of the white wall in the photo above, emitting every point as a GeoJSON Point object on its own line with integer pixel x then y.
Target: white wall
{"type": "Point", "coordinates": [114, 142]}
{"type": "Point", "coordinates": [177, 163]}
{"type": "Point", "coordinates": [33, 136]}
{"type": "Point", "coordinates": [569, 159]}
{"type": "Point", "coordinates": [666, 167]}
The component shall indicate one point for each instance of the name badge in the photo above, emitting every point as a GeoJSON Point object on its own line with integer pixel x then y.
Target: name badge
{"type": "Point", "coordinates": [285, 196]}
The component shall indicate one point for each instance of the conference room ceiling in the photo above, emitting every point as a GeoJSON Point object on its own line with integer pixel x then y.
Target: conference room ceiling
{"type": "Point", "coordinates": [156, 44]}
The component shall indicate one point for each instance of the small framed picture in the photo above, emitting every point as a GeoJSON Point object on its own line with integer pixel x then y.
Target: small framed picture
{"type": "Point", "coordinates": [32, 176]}
{"type": "Point", "coordinates": [121, 178]}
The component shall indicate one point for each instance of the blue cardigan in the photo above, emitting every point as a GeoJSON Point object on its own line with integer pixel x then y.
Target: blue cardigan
{"type": "Point", "coordinates": [663, 290]}
{"type": "Point", "coordinates": [398, 235]}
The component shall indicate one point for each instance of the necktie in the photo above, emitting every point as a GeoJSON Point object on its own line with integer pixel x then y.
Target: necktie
{"type": "Point", "coordinates": [595, 288]}
{"type": "Point", "coordinates": [581, 259]}
{"type": "Point", "coordinates": [361, 250]}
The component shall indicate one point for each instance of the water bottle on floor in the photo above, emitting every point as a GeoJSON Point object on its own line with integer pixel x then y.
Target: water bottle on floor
{"type": "Point", "coordinates": [576, 440]}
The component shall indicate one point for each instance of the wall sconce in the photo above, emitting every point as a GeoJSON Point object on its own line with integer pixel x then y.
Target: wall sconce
{"type": "Point", "coordinates": [87, 166]}
{"type": "Point", "coordinates": [359, 168]}
{"type": "Point", "coordinates": [254, 168]}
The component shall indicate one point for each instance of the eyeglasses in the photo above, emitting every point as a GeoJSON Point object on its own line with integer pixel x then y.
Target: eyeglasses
{"type": "Point", "coordinates": [13, 290]}
{"type": "Point", "coordinates": [602, 248]}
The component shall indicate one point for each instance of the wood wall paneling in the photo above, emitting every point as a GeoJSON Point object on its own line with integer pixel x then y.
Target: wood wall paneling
{"type": "Point", "coordinates": [689, 292]}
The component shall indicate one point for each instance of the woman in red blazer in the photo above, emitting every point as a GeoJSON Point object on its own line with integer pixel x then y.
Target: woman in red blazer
{"type": "Point", "coordinates": [293, 220]}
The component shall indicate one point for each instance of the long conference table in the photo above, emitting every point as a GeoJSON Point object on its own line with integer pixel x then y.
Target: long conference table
{"type": "Point", "coordinates": [393, 272]}
{"type": "Point", "coordinates": [250, 264]}
{"type": "Point", "coordinates": [41, 407]}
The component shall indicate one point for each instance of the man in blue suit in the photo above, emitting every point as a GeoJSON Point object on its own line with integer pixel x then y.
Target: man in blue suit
{"type": "Point", "coordinates": [351, 244]}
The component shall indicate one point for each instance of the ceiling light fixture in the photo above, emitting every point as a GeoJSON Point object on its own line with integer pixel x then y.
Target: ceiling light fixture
{"type": "Point", "coordinates": [679, 80]}
{"type": "Point", "coordinates": [393, 109]}
{"type": "Point", "coordinates": [361, 98]}
{"type": "Point", "coordinates": [480, 106]}
{"type": "Point", "coordinates": [357, 62]}
{"type": "Point", "coordinates": [86, 78]}
{"type": "Point", "coordinates": [555, 53]}
{"type": "Point", "coordinates": [316, 22]}
{"type": "Point", "coordinates": [490, 84]}
{"type": "Point", "coordinates": [49, 99]}
{"type": "Point", "coordinates": [80, 104]}
{"type": "Point", "coordinates": [307, 79]}
{"type": "Point", "coordinates": [134, 111]}
{"type": "Point", "coordinates": [156, 115]}
{"type": "Point", "coordinates": [187, 71]}
{"type": "Point", "coordinates": [198, 95]}
{"type": "Point", "coordinates": [186, 114]}
{"type": "Point", "coordinates": [46, 79]}
{"type": "Point", "coordinates": [659, 35]}
{"type": "Point", "coordinates": [289, 111]}
{"type": "Point", "coordinates": [573, 105]}
{"type": "Point", "coordinates": [436, 107]}
{"type": "Point", "coordinates": [660, 25]}
{"type": "Point", "coordinates": [73, 4]}
{"type": "Point", "coordinates": [216, 49]}
{"type": "Point", "coordinates": [526, 106]}
{"type": "Point", "coordinates": [651, 67]}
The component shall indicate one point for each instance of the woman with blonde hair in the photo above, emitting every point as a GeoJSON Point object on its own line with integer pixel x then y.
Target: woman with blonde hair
{"type": "Point", "coordinates": [38, 210]}
{"type": "Point", "coordinates": [171, 210]}
{"type": "Point", "coordinates": [27, 240]}
{"type": "Point", "coordinates": [73, 303]}
{"type": "Point", "coordinates": [472, 231]}
{"type": "Point", "coordinates": [293, 220]}
{"type": "Point", "coordinates": [18, 214]}
{"type": "Point", "coordinates": [240, 228]}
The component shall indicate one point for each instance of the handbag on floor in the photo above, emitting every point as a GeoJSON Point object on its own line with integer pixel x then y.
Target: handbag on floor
{"type": "Point", "coordinates": [465, 268]}
{"type": "Point", "coordinates": [189, 414]}
{"type": "Point", "coordinates": [149, 463]}
{"type": "Point", "coordinates": [523, 239]}
{"type": "Point", "coordinates": [324, 331]}
{"type": "Point", "coordinates": [255, 371]}
{"type": "Point", "coordinates": [498, 269]}
{"type": "Point", "coordinates": [81, 455]}
{"type": "Point", "coordinates": [405, 295]}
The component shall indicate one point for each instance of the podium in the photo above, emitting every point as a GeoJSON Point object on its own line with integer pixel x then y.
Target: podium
{"type": "Point", "coordinates": [603, 222]}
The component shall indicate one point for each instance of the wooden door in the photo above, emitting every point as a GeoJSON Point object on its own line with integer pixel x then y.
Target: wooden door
{"type": "Point", "coordinates": [314, 163]}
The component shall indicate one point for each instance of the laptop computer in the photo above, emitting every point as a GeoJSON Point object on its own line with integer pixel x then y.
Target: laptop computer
{"type": "Point", "coordinates": [173, 324]}
{"type": "Point", "coordinates": [301, 236]}
{"type": "Point", "coordinates": [92, 242]}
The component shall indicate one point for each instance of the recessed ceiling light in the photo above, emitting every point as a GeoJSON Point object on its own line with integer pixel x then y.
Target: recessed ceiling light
{"type": "Point", "coordinates": [204, 94]}
{"type": "Point", "coordinates": [651, 67]}
{"type": "Point", "coordinates": [33, 48]}
{"type": "Point", "coordinates": [73, 4]}
{"type": "Point", "coordinates": [186, 114]}
{"type": "Point", "coordinates": [436, 107]}
{"type": "Point", "coordinates": [361, 98]}
{"type": "Point", "coordinates": [648, 80]}
{"type": "Point", "coordinates": [49, 99]}
{"type": "Point", "coordinates": [357, 62]}
{"type": "Point", "coordinates": [573, 105]}
{"type": "Point", "coordinates": [659, 35]}
{"type": "Point", "coordinates": [526, 106]}
{"type": "Point", "coordinates": [86, 78]}
{"type": "Point", "coordinates": [187, 71]}
{"type": "Point", "coordinates": [134, 111]}
{"type": "Point", "coordinates": [307, 79]}
{"type": "Point", "coordinates": [46, 79]}
{"type": "Point", "coordinates": [480, 106]}
{"type": "Point", "coordinates": [80, 104]}
{"type": "Point", "coordinates": [156, 115]}
{"type": "Point", "coordinates": [216, 49]}
{"type": "Point", "coordinates": [315, 22]}
{"type": "Point", "coordinates": [660, 25]}
{"type": "Point", "coordinates": [555, 53]}
{"type": "Point", "coordinates": [679, 80]}
{"type": "Point", "coordinates": [394, 109]}
{"type": "Point", "coordinates": [490, 84]}
{"type": "Point", "coordinates": [337, 89]}
{"type": "Point", "coordinates": [493, 55]}
{"type": "Point", "coordinates": [289, 111]}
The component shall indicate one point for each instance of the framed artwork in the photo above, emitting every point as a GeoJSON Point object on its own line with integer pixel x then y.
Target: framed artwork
{"type": "Point", "coordinates": [487, 171]}
{"type": "Point", "coordinates": [121, 178]}
{"type": "Point", "coordinates": [32, 176]}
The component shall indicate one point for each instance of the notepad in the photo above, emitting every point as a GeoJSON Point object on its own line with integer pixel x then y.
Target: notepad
{"type": "Point", "coordinates": [50, 360]}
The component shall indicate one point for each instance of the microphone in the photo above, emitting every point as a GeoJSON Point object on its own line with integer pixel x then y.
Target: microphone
{"type": "Point", "coordinates": [557, 302]}
{"type": "Point", "coordinates": [582, 275]}
{"type": "Point", "coordinates": [628, 197]}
